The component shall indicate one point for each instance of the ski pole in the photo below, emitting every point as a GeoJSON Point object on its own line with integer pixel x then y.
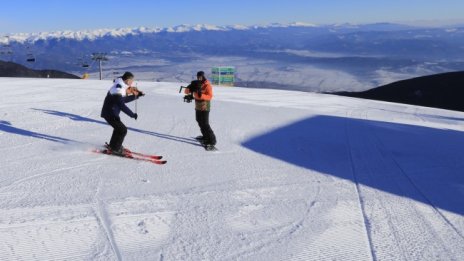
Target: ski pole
{"type": "Point", "coordinates": [136, 84]}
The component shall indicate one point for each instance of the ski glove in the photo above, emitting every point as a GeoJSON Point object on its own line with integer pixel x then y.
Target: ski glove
{"type": "Point", "coordinates": [135, 116]}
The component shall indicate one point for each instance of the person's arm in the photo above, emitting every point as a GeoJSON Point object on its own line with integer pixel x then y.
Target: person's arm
{"type": "Point", "coordinates": [121, 103]}
{"type": "Point", "coordinates": [207, 94]}
{"type": "Point", "coordinates": [129, 98]}
{"type": "Point", "coordinates": [187, 90]}
{"type": "Point", "coordinates": [132, 94]}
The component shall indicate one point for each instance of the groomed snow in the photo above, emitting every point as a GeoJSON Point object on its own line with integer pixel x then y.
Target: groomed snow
{"type": "Point", "coordinates": [298, 176]}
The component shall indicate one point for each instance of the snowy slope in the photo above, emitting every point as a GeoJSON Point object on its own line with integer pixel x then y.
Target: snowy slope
{"type": "Point", "coordinates": [298, 176]}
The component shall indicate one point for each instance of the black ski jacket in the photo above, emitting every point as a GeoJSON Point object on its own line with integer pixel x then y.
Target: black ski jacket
{"type": "Point", "coordinates": [114, 104]}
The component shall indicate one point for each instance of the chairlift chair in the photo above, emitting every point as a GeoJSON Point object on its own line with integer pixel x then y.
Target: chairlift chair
{"type": "Point", "coordinates": [83, 62]}
{"type": "Point", "coordinates": [30, 58]}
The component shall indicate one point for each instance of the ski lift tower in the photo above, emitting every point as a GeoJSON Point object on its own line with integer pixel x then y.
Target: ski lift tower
{"type": "Point", "coordinates": [99, 57]}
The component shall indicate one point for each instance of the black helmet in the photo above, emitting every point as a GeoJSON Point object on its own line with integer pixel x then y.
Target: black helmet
{"type": "Point", "coordinates": [127, 75]}
{"type": "Point", "coordinates": [201, 73]}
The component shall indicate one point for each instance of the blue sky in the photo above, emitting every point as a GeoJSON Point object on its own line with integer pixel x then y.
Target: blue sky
{"type": "Point", "coordinates": [57, 15]}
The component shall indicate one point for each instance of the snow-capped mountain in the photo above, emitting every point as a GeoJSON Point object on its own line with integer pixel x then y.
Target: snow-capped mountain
{"type": "Point", "coordinates": [121, 32]}
{"type": "Point", "coordinates": [293, 56]}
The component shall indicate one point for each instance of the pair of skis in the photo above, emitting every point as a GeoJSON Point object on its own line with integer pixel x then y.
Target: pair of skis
{"type": "Point", "coordinates": [156, 159]}
{"type": "Point", "coordinates": [128, 154]}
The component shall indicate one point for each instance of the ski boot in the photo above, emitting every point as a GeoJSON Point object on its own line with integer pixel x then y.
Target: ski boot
{"type": "Point", "coordinates": [209, 147]}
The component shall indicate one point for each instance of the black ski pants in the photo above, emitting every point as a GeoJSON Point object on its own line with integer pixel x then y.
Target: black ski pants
{"type": "Point", "coordinates": [202, 118]}
{"type": "Point", "coordinates": [119, 132]}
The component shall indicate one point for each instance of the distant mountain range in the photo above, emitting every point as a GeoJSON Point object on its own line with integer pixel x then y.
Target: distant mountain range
{"type": "Point", "coordinates": [298, 56]}
{"type": "Point", "coordinates": [382, 39]}
{"type": "Point", "coordinates": [443, 90]}
{"type": "Point", "coordinates": [122, 32]}
{"type": "Point", "coordinates": [10, 69]}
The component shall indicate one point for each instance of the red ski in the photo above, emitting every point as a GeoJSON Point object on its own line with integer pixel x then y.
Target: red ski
{"type": "Point", "coordinates": [135, 156]}
{"type": "Point", "coordinates": [156, 157]}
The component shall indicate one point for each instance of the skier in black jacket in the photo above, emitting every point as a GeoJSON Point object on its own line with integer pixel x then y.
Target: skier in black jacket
{"type": "Point", "coordinates": [115, 101]}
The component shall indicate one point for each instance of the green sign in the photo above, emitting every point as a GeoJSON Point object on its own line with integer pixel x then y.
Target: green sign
{"type": "Point", "coordinates": [223, 75]}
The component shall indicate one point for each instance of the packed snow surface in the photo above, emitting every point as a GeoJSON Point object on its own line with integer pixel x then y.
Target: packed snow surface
{"type": "Point", "coordinates": [298, 176]}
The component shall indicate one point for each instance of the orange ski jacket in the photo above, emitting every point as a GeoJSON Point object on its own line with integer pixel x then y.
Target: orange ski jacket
{"type": "Point", "coordinates": [203, 103]}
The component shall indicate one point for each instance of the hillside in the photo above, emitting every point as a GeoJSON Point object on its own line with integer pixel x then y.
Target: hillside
{"type": "Point", "coordinates": [298, 176]}
{"type": "Point", "coordinates": [10, 69]}
{"type": "Point", "coordinates": [445, 91]}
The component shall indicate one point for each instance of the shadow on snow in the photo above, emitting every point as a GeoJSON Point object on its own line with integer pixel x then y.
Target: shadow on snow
{"type": "Point", "coordinates": [424, 164]}
{"type": "Point", "coordinates": [7, 127]}
{"type": "Point", "coordinates": [76, 117]}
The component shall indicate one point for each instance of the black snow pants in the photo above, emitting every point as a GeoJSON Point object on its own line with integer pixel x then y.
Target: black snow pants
{"type": "Point", "coordinates": [119, 132]}
{"type": "Point", "coordinates": [202, 118]}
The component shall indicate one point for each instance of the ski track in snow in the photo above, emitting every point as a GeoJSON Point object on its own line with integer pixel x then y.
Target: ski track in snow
{"type": "Point", "coordinates": [430, 203]}
{"type": "Point", "coordinates": [345, 183]}
{"type": "Point", "coordinates": [358, 189]}
{"type": "Point", "coordinates": [416, 219]}
{"type": "Point", "coordinates": [47, 173]}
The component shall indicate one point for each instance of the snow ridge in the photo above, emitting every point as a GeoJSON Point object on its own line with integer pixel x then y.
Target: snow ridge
{"type": "Point", "coordinates": [121, 32]}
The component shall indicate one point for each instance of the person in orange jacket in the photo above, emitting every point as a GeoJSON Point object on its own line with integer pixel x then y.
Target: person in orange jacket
{"type": "Point", "coordinates": [203, 99]}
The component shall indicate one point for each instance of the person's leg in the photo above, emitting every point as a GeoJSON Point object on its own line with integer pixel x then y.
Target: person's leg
{"type": "Point", "coordinates": [208, 134]}
{"type": "Point", "coordinates": [200, 120]}
{"type": "Point", "coordinates": [119, 133]}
